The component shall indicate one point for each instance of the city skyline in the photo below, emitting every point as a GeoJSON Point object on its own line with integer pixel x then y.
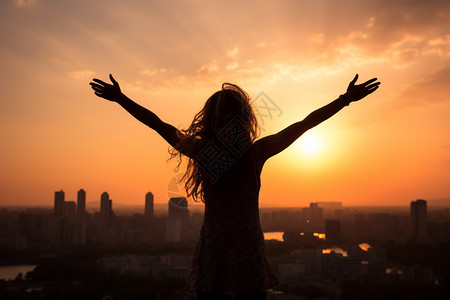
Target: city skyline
{"type": "Point", "coordinates": [148, 203]}
{"type": "Point", "coordinates": [330, 222]}
{"type": "Point", "coordinates": [69, 223]}
{"type": "Point", "coordinates": [388, 149]}
{"type": "Point", "coordinates": [324, 243]}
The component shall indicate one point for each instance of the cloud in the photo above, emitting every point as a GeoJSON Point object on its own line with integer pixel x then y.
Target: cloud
{"type": "Point", "coordinates": [24, 3]}
{"type": "Point", "coordinates": [232, 53]}
{"type": "Point", "coordinates": [153, 72]}
{"type": "Point", "coordinates": [430, 90]}
{"type": "Point", "coordinates": [232, 65]}
{"type": "Point", "coordinates": [440, 40]}
{"type": "Point", "coordinates": [208, 68]}
{"type": "Point", "coordinates": [405, 57]}
{"type": "Point", "coordinates": [401, 31]}
{"type": "Point", "coordinates": [81, 74]}
{"type": "Point", "coordinates": [439, 46]}
{"type": "Point", "coordinates": [301, 37]}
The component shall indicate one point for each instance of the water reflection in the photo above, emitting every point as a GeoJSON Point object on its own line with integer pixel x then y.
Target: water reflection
{"type": "Point", "coordinates": [278, 235]}
{"type": "Point", "coordinates": [335, 250]}
{"type": "Point", "coordinates": [321, 236]}
{"type": "Point", "coordinates": [364, 246]}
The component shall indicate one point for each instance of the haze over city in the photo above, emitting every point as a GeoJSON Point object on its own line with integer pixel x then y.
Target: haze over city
{"type": "Point", "coordinates": [388, 149]}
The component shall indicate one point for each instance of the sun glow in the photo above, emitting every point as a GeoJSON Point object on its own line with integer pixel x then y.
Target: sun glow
{"type": "Point", "coordinates": [310, 143]}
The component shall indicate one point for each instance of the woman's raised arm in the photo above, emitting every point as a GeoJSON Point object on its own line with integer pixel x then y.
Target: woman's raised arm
{"type": "Point", "coordinates": [274, 144]}
{"type": "Point", "coordinates": [113, 93]}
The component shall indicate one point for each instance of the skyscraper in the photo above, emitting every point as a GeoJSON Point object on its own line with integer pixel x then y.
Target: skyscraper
{"type": "Point", "coordinates": [70, 209]}
{"type": "Point", "coordinates": [419, 219]}
{"type": "Point", "coordinates": [313, 214]}
{"type": "Point", "coordinates": [105, 204]}
{"type": "Point", "coordinates": [178, 208]}
{"type": "Point", "coordinates": [81, 204]}
{"type": "Point", "coordinates": [149, 211]}
{"type": "Point", "coordinates": [59, 203]}
{"type": "Point", "coordinates": [105, 208]}
{"type": "Point", "coordinates": [177, 220]}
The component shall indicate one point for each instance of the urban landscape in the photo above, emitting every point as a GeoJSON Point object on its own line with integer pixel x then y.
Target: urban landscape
{"type": "Point", "coordinates": [317, 133]}
{"type": "Point", "coordinates": [323, 251]}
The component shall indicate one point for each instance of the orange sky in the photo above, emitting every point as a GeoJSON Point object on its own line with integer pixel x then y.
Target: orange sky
{"type": "Point", "coordinates": [389, 149]}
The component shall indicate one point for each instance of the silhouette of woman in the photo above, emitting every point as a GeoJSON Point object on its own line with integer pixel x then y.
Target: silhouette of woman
{"type": "Point", "coordinates": [224, 166]}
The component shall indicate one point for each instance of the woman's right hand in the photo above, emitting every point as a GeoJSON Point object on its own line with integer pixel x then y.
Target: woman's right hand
{"type": "Point", "coordinates": [357, 92]}
{"type": "Point", "coordinates": [105, 90]}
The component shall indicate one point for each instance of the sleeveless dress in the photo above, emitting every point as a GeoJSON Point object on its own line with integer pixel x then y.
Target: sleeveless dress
{"type": "Point", "coordinates": [230, 256]}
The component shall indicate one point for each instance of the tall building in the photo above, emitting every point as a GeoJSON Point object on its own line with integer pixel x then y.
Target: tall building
{"type": "Point", "coordinates": [105, 208]}
{"type": "Point", "coordinates": [59, 203]}
{"type": "Point", "coordinates": [313, 214]}
{"type": "Point", "coordinates": [149, 210]}
{"type": "Point", "coordinates": [178, 208]}
{"type": "Point", "coordinates": [105, 204]}
{"type": "Point", "coordinates": [70, 209]}
{"type": "Point", "coordinates": [81, 204]}
{"type": "Point", "coordinates": [331, 209]}
{"type": "Point", "coordinates": [419, 219]}
{"type": "Point", "coordinates": [177, 220]}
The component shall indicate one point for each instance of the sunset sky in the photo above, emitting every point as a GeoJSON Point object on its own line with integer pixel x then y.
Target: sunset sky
{"type": "Point", "coordinates": [170, 56]}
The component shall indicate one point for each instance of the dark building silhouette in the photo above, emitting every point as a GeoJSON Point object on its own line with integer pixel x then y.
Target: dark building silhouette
{"type": "Point", "coordinates": [333, 231]}
{"type": "Point", "coordinates": [178, 208]}
{"type": "Point", "coordinates": [105, 204]}
{"type": "Point", "coordinates": [70, 209]}
{"type": "Point", "coordinates": [149, 206]}
{"type": "Point", "coordinates": [177, 220]}
{"type": "Point", "coordinates": [383, 226]}
{"type": "Point", "coordinates": [419, 219]}
{"type": "Point", "coordinates": [59, 203]}
{"type": "Point", "coordinates": [105, 208]}
{"type": "Point", "coordinates": [331, 209]}
{"type": "Point", "coordinates": [418, 274]}
{"type": "Point", "coordinates": [313, 214]}
{"type": "Point", "coordinates": [81, 204]}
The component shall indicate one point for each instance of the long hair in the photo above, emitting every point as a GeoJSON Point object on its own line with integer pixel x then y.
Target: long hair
{"type": "Point", "coordinates": [231, 104]}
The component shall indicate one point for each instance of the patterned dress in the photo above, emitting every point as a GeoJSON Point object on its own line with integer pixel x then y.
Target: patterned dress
{"type": "Point", "coordinates": [230, 256]}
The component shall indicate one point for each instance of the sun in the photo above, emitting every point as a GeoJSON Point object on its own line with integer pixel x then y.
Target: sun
{"type": "Point", "coordinates": [310, 143]}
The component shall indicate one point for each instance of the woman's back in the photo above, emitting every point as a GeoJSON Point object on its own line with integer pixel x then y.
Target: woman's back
{"type": "Point", "coordinates": [231, 249]}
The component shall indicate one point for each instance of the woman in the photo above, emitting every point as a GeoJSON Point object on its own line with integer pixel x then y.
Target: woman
{"type": "Point", "coordinates": [224, 165]}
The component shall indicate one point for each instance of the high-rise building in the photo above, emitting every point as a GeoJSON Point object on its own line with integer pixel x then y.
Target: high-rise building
{"type": "Point", "coordinates": [74, 232]}
{"type": "Point", "coordinates": [331, 209]}
{"type": "Point", "coordinates": [70, 209]}
{"type": "Point", "coordinates": [177, 220]}
{"type": "Point", "coordinates": [59, 203]}
{"type": "Point", "coordinates": [105, 208]}
{"type": "Point", "coordinates": [174, 230]}
{"type": "Point", "coordinates": [313, 214]}
{"type": "Point", "coordinates": [149, 210]}
{"type": "Point", "coordinates": [178, 208]}
{"type": "Point", "coordinates": [419, 219]}
{"type": "Point", "coordinates": [105, 204]}
{"type": "Point", "coordinates": [81, 204]}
